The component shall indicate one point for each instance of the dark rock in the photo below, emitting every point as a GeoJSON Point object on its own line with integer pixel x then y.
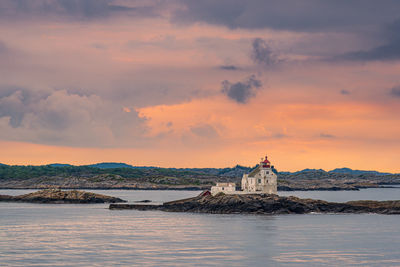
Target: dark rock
{"type": "Point", "coordinates": [59, 197]}
{"type": "Point", "coordinates": [266, 204]}
{"type": "Point", "coordinates": [6, 198]}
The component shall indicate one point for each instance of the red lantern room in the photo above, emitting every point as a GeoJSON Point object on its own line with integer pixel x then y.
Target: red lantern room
{"type": "Point", "coordinates": [265, 163]}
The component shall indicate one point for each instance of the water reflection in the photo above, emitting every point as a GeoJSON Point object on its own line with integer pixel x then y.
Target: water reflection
{"type": "Point", "coordinates": [92, 235]}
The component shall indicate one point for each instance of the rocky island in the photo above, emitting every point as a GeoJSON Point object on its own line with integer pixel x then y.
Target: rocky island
{"type": "Point", "coordinates": [58, 196]}
{"type": "Point", "coordinates": [265, 204]}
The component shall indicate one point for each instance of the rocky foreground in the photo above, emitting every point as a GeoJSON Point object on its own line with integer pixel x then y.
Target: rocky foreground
{"type": "Point", "coordinates": [58, 196]}
{"type": "Point", "coordinates": [266, 204]}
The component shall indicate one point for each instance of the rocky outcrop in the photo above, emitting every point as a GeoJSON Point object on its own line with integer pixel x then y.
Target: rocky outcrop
{"type": "Point", "coordinates": [58, 196]}
{"type": "Point", "coordinates": [84, 183]}
{"type": "Point", "coordinates": [266, 204]}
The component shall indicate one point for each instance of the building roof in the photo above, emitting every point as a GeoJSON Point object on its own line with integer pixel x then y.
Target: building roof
{"type": "Point", "coordinates": [266, 160]}
{"type": "Point", "coordinates": [255, 171]}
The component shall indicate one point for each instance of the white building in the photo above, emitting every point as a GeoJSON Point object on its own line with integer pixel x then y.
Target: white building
{"type": "Point", "coordinates": [262, 180]}
{"type": "Point", "coordinates": [227, 188]}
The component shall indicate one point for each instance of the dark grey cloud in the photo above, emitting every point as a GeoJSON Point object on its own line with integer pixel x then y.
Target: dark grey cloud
{"type": "Point", "coordinates": [75, 9]}
{"type": "Point", "coordinates": [367, 20]}
{"type": "Point", "coordinates": [344, 92]}
{"type": "Point", "coordinates": [300, 15]}
{"type": "Point", "coordinates": [388, 51]}
{"type": "Point", "coordinates": [5, 51]}
{"type": "Point", "coordinates": [228, 67]}
{"type": "Point", "coordinates": [262, 53]}
{"type": "Point", "coordinates": [280, 135]}
{"type": "Point", "coordinates": [3, 47]}
{"type": "Point", "coordinates": [204, 130]}
{"type": "Point", "coordinates": [9, 57]}
{"type": "Point", "coordinates": [325, 135]}
{"type": "Point", "coordinates": [395, 91]}
{"type": "Point", "coordinates": [99, 46]}
{"type": "Point", "coordinates": [242, 91]}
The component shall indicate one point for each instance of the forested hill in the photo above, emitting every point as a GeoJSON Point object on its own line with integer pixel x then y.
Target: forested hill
{"type": "Point", "coordinates": [24, 172]}
{"type": "Point", "coordinates": [19, 171]}
{"type": "Point", "coordinates": [104, 176]}
{"type": "Point", "coordinates": [68, 176]}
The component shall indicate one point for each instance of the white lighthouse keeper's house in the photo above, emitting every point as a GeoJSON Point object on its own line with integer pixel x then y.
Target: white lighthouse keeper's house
{"type": "Point", "coordinates": [261, 180]}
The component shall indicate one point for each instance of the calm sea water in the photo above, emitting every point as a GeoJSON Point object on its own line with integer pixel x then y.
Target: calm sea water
{"type": "Point", "coordinates": [92, 235]}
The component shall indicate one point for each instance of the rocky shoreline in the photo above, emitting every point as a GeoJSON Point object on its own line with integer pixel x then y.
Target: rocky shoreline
{"type": "Point", "coordinates": [265, 204]}
{"type": "Point", "coordinates": [186, 188]}
{"type": "Point", "coordinates": [57, 196]}
{"type": "Point", "coordinates": [294, 187]}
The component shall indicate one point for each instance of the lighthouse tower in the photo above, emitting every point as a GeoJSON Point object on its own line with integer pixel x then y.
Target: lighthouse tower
{"type": "Point", "coordinates": [262, 180]}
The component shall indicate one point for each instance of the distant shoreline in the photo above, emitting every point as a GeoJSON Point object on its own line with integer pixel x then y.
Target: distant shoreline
{"type": "Point", "coordinates": [84, 177]}
{"type": "Point", "coordinates": [194, 188]}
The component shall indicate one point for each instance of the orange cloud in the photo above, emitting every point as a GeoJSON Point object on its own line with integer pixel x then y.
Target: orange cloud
{"type": "Point", "coordinates": [101, 73]}
{"type": "Point", "coordinates": [297, 135]}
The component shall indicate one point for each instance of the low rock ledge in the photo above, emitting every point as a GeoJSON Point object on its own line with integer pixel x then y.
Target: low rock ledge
{"type": "Point", "coordinates": [266, 204]}
{"type": "Point", "coordinates": [58, 196]}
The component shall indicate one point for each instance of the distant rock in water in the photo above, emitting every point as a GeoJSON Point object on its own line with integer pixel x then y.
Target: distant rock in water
{"type": "Point", "coordinates": [60, 197]}
{"type": "Point", "coordinates": [265, 204]}
{"type": "Point", "coordinates": [143, 201]}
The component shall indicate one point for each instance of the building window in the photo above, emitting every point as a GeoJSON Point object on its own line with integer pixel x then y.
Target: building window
{"type": "Point", "coordinates": [259, 181]}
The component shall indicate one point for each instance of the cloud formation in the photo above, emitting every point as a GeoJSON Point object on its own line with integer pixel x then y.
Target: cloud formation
{"type": "Point", "coordinates": [395, 91]}
{"type": "Point", "coordinates": [73, 9]}
{"type": "Point", "coordinates": [325, 135]}
{"type": "Point", "coordinates": [262, 53]}
{"type": "Point", "coordinates": [3, 47]}
{"type": "Point", "coordinates": [388, 51]}
{"type": "Point", "coordinates": [344, 92]}
{"type": "Point", "coordinates": [61, 118]}
{"type": "Point", "coordinates": [228, 67]}
{"type": "Point", "coordinates": [301, 15]}
{"type": "Point", "coordinates": [204, 131]}
{"type": "Point", "coordinates": [369, 22]}
{"type": "Point", "coordinates": [241, 92]}
{"type": "Point", "coordinates": [105, 74]}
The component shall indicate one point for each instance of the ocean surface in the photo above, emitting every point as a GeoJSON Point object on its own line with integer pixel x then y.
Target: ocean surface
{"type": "Point", "coordinates": [93, 235]}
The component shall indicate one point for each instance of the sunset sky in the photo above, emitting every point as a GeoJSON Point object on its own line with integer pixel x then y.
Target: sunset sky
{"type": "Point", "coordinates": [313, 84]}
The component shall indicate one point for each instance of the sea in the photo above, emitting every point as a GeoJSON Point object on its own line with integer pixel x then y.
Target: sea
{"type": "Point", "coordinates": [93, 235]}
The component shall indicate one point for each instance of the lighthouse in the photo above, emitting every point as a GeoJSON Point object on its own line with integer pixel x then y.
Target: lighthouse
{"type": "Point", "coordinates": [262, 180]}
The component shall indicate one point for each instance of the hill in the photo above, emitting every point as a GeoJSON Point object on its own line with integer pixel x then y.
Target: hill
{"type": "Point", "coordinates": [60, 165]}
{"type": "Point", "coordinates": [357, 172]}
{"type": "Point", "coordinates": [108, 175]}
{"type": "Point", "coordinates": [110, 165]}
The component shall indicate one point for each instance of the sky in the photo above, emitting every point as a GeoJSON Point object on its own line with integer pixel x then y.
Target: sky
{"type": "Point", "coordinates": [169, 83]}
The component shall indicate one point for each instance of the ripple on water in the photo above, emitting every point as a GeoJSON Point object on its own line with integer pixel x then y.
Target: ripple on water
{"type": "Point", "coordinates": [92, 235]}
